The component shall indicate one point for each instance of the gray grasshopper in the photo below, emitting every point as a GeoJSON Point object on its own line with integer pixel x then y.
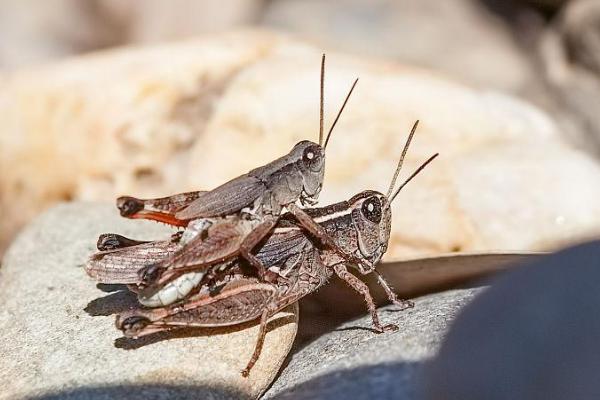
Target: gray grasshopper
{"type": "Point", "coordinates": [360, 226]}
{"type": "Point", "coordinates": [233, 218]}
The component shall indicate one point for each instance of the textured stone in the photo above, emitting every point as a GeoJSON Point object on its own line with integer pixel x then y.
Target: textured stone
{"type": "Point", "coordinates": [158, 120]}
{"type": "Point", "coordinates": [532, 335]}
{"type": "Point", "coordinates": [352, 362]}
{"type": "Point", "coordinates": [57, 334]}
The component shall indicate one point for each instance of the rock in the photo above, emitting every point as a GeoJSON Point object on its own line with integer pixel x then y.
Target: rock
{"type": "Point", "coordinates": [330, 306]}
{"type": "Point", "coordinates": [416, 32]}
{"type": "Point", "coordinates": [34, 32]}
{"type": "Point", "coordinates": [570, 54]}
{"type": "Point", "coordinates": [57, 334]}
{"type": "Point", "coordinates": [532, 335]}
{"type": "Point", "coordinates": [186, 116]}
{"type": "Point", "coordinates": [353, 362]}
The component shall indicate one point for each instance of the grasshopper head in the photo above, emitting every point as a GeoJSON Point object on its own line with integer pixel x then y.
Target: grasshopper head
{"type": "Point", "coordinates": [372, 218]}
{"type": "Point", "coordinates": [372, 213]}
{"type": "Point", "coordinates": [310, 161]}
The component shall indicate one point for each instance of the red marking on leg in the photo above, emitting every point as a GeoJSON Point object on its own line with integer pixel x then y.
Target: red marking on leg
{"type": "Point", "coordinates": [160, 217]}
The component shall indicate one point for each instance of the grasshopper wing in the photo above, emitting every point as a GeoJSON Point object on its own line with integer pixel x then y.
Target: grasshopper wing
{"type": "Point", "coordinates": [226, 199]}
{"type": "Point", "coordinates": [122, 265]}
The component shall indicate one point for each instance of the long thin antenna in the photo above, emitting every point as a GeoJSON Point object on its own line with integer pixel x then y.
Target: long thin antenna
{"type": "Point", "coordinates": [339, 113]}
{"type": "Point", "coordinates": [322, 100]}
{"type": "Point", "coordinates": [401, 161]}
{"type": "Point", "coordinates": [413, 175]}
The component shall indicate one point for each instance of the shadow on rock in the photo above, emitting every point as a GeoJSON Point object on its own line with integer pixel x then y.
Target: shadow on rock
{"type": "Point", "coordinates": [532, 335]}
{"type": "Point", "coordinates": [144, 392]}
{"type": "Point", "coordinates": [120, 299]}
{"type": "Point", "coordinates": [381, 381]}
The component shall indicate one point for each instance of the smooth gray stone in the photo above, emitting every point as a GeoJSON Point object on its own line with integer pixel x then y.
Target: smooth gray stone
{"type": "Point", "coordinates": [534, 334]}
{"type": "Point", "coordinates": [352, 362]}
{"type": "Point", "coordinates": [57, 329]}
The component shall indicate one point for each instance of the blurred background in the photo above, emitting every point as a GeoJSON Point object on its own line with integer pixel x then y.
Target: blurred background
{"type": "Point", "coordinates": [545, 52]}
{"type": "Point", "coordinates": [101, 98]}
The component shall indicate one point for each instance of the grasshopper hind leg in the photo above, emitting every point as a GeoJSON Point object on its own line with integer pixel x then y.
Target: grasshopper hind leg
{"type": "Point", "coordinates": [112, 241]}
{"type": "Point", "coordinates": [260, 341]}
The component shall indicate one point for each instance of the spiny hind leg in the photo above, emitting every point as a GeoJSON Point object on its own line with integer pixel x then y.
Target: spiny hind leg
{"type": "Point", "coordinates": [161, 209]}
{"type": "Point", "coordinates": [260, 341]}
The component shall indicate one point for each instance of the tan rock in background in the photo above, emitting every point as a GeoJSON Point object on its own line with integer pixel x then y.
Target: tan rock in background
{"type": "Point", "coordinates": [158, 120]}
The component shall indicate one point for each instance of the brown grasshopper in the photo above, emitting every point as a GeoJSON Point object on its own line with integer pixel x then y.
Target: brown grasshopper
{"type": "Point", "coordinates": [233, 218]}
{"type": "Point", "coordinates": [360, 226]}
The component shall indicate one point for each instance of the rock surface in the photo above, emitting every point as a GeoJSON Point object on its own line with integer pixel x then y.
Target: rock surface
{"type": "Point", "coordinates": [532, 335]}
{"type": "Point", "coordinates": [352, 362]}
{"type": "Point", "coordinates": [57, 334]}
{"type": "Point", "coordinates": [570, 52]}
{"type": "Point", "coordinates": [185, 116]}
{"type": "Point", "coordinates": [415, 32]}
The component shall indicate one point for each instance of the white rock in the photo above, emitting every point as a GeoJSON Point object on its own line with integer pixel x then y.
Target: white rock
{"type": "Point", "coordinates": [160, 120]}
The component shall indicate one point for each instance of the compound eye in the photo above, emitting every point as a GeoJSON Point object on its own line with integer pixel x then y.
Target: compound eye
{"type": "Point", "coordinates": [371, 209]}
{"type": "Point", "coordinates": [311, 155]}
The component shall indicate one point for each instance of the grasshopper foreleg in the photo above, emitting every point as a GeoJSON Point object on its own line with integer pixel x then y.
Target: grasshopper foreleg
{"type": "Point", "coordinates": [362, 288]}
{"type": "Point", "coordinates": [253, 238]}
{"type": "Point", "coordinates": [403, 304]}
{"type": "Point", "coordinates": [319, 232]}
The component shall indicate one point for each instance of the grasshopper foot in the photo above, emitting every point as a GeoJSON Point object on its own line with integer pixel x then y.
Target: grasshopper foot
{"type": "Point", "coordinates": [403, 304]}
{"type": "Point", "coordinates": [386, 328]}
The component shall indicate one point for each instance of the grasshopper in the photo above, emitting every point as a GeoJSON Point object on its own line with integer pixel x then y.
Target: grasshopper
{"type": "Point", "coordinates": [233, 218]}
{"type": "Point", "coordinates": [359, 226]}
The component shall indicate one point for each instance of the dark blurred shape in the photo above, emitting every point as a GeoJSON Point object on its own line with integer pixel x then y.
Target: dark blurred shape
{"type": "Point", "coordinates": [570, 56]}
{"type": "Point", "coordinates": [580, 27]}
{"type": "Point", "coordinates": [532, 335]}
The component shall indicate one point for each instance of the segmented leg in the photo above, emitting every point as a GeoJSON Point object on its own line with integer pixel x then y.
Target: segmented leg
{"type": "Point", "coordinates": [253, 238]}
{"type": "Point", "coordinates": [319, 232]}
{"type": "Point", "coordinates": [362, 288]}
{"type": "Point", "coordinates": [161, 209]}
{"type": "Point", "coordinates": [262, 332]}
{"type": "Point", "coordinates": [221, 242]}
{"type": "Point", "coordinates": [112, 241]}
{"type": "Point", "coordinates": [403, 304]}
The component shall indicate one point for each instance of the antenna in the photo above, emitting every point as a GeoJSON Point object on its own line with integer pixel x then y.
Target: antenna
{"type": "Point", "coordinates": [413, 175]}
{"type": "Point", "coordinates": [340, 112]}
{"type": "Point", "coordinates": [401, 161]}
{"type": "Point", "coordinates": [322, 100]}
